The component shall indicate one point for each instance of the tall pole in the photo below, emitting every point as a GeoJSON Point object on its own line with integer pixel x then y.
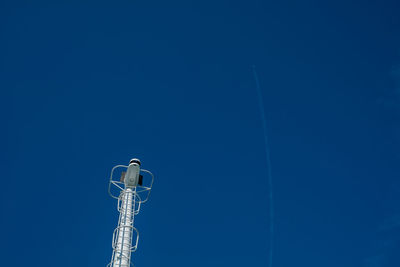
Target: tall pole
{"type": "Point", "coordinates": [132, 194]}
{"type": "Point", "coordinates": [123, 244]}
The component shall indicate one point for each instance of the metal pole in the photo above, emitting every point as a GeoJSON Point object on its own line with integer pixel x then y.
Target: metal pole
{"type": "Point", "coordinates": [134, 190]}
{"type": "Point", "coordinates": [124, 233]}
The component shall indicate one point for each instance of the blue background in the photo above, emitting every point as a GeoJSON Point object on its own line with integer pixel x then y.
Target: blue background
{"type": "Point", "coordinates": [86, 86]}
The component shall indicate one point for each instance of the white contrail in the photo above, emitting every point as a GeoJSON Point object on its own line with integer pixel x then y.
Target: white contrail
{"type": "Point", "coordinates": [269, 173]}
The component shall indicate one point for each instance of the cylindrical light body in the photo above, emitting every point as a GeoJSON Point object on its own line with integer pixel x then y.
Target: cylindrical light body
{"type": "Point", "coordinates": [132, 175]}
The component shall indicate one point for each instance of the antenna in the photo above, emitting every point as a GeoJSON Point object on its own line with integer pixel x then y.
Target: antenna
{"type": "Point", "coordinates": [131, 190]}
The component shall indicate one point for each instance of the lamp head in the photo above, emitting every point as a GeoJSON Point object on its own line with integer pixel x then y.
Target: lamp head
{"type": "Point", "coordinates": [135, 161]}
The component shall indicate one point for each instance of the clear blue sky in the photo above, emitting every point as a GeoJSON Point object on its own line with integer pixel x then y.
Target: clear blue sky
{"type": "Point", "coordinates": [86, 86]}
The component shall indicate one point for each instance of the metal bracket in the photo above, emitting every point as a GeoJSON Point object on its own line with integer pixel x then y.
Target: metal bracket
{"type": "Point", "coordinates": [115, 236]}
{"type": "Point", "coordinates": [137, 202]}
{"type": "Point", "coordinates": [143, 191]}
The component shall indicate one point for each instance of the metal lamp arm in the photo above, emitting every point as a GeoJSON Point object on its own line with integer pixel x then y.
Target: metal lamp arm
{"type": "Point", "coordinates": [114, 182]}
{"type": "Point", "coordinates": [151, 185]}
